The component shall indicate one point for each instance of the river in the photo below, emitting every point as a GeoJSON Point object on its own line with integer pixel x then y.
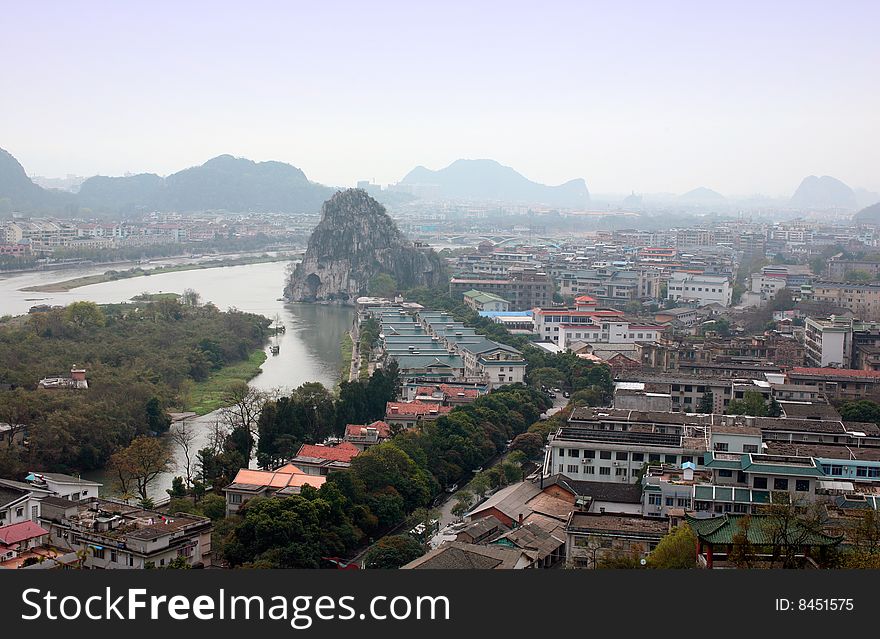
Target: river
{"type": "Point", "coordinates": [309, 349]}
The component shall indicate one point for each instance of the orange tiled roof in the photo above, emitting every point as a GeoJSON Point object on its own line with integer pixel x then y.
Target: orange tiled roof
{"type": "Point", "coordinates": [343, 452]}
{"type": "Point", "coordinates": [286, 476]}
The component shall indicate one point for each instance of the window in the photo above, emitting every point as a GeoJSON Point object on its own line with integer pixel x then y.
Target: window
{"type": "Point", "coordinates": [561, 468]}
{"type": "Point", "coordinates": [589, 454]}
{"type": "Point", "coordinates": [589, 470]}
{"type": "Point", "coordinates": [621, 456]}
{"type": "Point", "coordinates": [721, 447]}
{"type": "Point", "coordinates": [802, 485]}
{"type": "Point", "coordinates": [638, 457]}
{"type": "Point", "coordinates": [19, 512]}
{"type": "Point", "coordinates": [759, 482]}
{"type": "Point", "coordinates": [683, 502]}
{"type": "Point", "coordinates": [605, 454]}
{"type": "Point", "coordinates": [837, 471]}
{"type": "Point", "coordinates": [114, 556]}
{"type": "Point", "coordinates": [671, 459]}
{"type": "Point", "coordinates": [725, 472]}
{"type": "Point", "coordinates": [604, 470]}
{"type": "Point", "coordinates": [574, 452]}
{"type": "Point", "coordinates": [780, 483]}
{"type": "Point", "coordinates": [750, 448]}
{"type": "Point", "coordinates": [654, 457]}
{"type": "Point", "coordinates": [234, 498]}
{"type": "Point", "coordinates": [572, 468]}
{"type": "Point", "coordinates": [620, 472]}
{"type": "Point", "coordinates": [670, 501]}
{"type": "Point", "coordinates": [35, 513]}
{"type": "Point", "coordinates": [98, 553]}
{"type": "Point", "coordinates": [655, 500]}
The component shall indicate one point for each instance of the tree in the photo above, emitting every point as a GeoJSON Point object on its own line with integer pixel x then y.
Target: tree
{"type": "Point", "coordinates": [158, 420]}
{"type": "Point", "coordinates": [706, 405]}
{"type": "Point", "coordinates": [382, 285]}
{"type": "Point", "coordinates": [190, 297]}
{"type": "Point", "coordinates": [178, 488]}
{"type": "Point", "coordinates": [393, 552]}
{"type": "Point", "coordinates": [138, 465]}
{"type": "Point", "coordinates": [675, 550]}
{"type": "Point", "coordinates": [184, 436]}
{"type": "Point", "coordinates": [463, 501]}
{"type": "Point", "coordinates": [243, 404]}
{"type": "Point", "coordinates": [531, 444]}
{"type": "Point", "coordinates": [791, 523]}
{"type": "Point", "coordinates": [84, 314]}
{"type": "Point", "coordinates": [742, 553]}
{"type": "Point", "coordinates": [752, 404]}
{"type": "Point", "coordinates": [861, 411]}
{"type": "Point", "coordinates": [18, 410]}
{"type": "Point", "coordinates": [480, 485]}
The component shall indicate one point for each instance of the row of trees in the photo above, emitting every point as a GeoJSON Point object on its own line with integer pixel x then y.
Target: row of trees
{"type": "Point", "coordinates": [382, 487]}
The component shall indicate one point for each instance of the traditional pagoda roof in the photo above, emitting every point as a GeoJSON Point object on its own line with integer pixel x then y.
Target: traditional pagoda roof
{"type": "Point", "coordinates": [761, 531]}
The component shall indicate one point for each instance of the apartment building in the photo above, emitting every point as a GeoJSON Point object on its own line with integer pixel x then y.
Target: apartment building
{"type": "Point", "coordinates": [524, 288]}
{"type": "Point", "coordinates": [701, 290]}
{"type": "Point", "coordinates": [863, 299]}
{"type": "Point", "coordinates": [111, 534]}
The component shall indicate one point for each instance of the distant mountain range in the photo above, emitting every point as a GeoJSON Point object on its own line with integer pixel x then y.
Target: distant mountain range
{"type": "Point", "coordinates": [702, 195]}
{"type": "Point", "coordinates": [489, 180]}
{"type": "Point", "coordinates": [823, 192]}
{"type": "Point", "coordinates": [225, 182]}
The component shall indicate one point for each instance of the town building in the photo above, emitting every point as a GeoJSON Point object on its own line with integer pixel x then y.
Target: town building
{"type": "Point", "coordinates": [111, 534]}
{"type": "Point", "coordinates": [283, 482]}
{"type": "Point", "coordinates": [700, 290]}
{"type": "Point", "coordinates": [523, 288]}
{"type": "Point", "coordinates": [317, 459]}
{"type": "Point", "coordinates": [479, 301]}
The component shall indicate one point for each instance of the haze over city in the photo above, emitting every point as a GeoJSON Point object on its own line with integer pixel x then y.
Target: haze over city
{"type": "Point", "coordinates": [746, 98]}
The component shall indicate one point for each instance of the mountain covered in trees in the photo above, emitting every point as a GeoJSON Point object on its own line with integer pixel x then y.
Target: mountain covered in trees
{"type": "Point", "coordinates": [355, 250]}
{"type": "Point", "coordinates": [19, 193]}
{"type": "Point", "coordinates": [868, 215]}
{"type": "Point", "coordinates": [823, 192]}
{"type": "Point", "coordinates": [489, 180]}
{"type": "Point", "coordinates": [223, 183]}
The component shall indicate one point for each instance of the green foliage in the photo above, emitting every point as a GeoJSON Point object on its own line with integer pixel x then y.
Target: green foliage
{"type": "Point", "coordinates": [531, 444]}
{"type": "Point", "coordinates": [311, 414]}
{"type": "Point", "coordinates": [382, 285]}
{"type": "Point", "coordinates": [139, 361]}
{"type": "Point", "coordinates": [393, 552]}
{"type": "Point", "coordinates": [861, 411]}
{"type": "Point", "coordinates": [752, 404]}
{"type": "Point", "coordinates": [676, 550]}
{"type": "Point", "coordinates": [706, 405]}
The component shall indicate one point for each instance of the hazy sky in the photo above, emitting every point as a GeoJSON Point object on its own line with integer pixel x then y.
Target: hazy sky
{"type": "Point", "coordinates": [742, 97]}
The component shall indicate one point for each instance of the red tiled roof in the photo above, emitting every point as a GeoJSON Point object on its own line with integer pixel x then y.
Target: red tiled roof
{"type": "Point", "coordinates": [455, 391]}
{"type": "Point", "coordinates": [584, 299]}
{"type": "Point", "coordinates": [414, 408]}
{"type": "Point", "coordinates": [834, 372]}
{"type": "Point", "coordinates": [355, 429]}
{"type": "Point", "coordinates": [343, 452]}
{"type": "Point", "coordinates": [22, 531]}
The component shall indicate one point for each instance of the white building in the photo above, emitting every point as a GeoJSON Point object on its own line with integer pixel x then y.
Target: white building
{"type": "Point", "coordinates": [702, 289]}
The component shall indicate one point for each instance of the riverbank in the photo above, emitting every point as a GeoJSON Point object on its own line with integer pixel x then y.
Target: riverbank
{"type": "Point", "coordinates": [111, 276]}
{"type": "Point", "coordinates": [207, 396]}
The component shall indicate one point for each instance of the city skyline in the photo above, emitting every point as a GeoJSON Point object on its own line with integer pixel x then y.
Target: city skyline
{"type": "Point", "coordinates": [639, 98]}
